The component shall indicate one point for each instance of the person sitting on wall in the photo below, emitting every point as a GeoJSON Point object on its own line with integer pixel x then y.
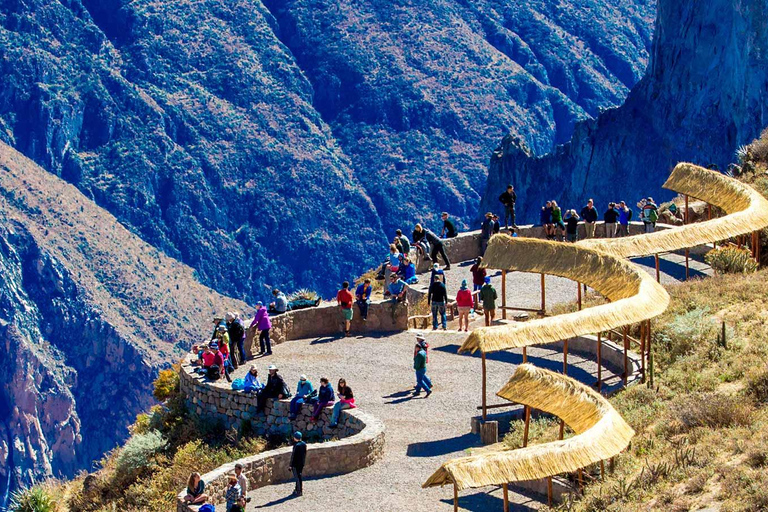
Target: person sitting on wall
{"type": "Point", "coordinates": [398, 289]}
{"type": "Point", "coordinates": [346, 401]}
{"type": "Point", "coordinates": [305, 393]}
{"type": "Point", "coordinates": [218, 362]}
{"type": "Point", "coordinates": [252, 382]}
{"type": "Point", "coordinates": [324, 398]}
{"type": "Point", "coordinates": [363, 298]}
{"type": "Point", "coordinates": [434, 242]}
{"type": "Point", "coordinates": [195, 490]}
{"type": "Point", "coordinates": [280, 305]}
{"type": "Point", "coordinates": [449, 228]}
{"type": "Point", "coordinates": [408, 271]}
{"type": "Point", "coordinates": [275, 388]}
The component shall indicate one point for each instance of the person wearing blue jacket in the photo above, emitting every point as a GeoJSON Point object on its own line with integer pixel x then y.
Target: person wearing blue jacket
{"type": "Point", "coordinates": [363, 298]}
{"type": "Point", "coordinates": [408, 271]}
{"type": "Point", "coordinates": [625, 216]}
{"type": "Point", "coordinates": [304, 394]}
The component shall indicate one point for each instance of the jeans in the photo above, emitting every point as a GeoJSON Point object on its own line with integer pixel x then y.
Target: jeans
{"type": "Point", "coordinates": [337, 408]}
{"type": "Point", "coordinates": [233, 353]}
{"type": "Point", "coordinates": [610, 229]}
{"type": "Point", "coordinates": [589, 227]}
{"type": "Point", "coordinates": [241, 350]}
{"type": "Point", "coordinates": [264, 341]}
{"type": "Point", "coordinates": [623, 230]}
{"type": "Point", "coordinates": [422, 381]}
{"type": "Point", "coordinates": [438, 248]}
{"type": "Point", "coordinates": [649, 227]}
{"type": "Point", "coordinates": [299, 484]}
{"type": "Point", "coordinates": [363, 305]}
{"type": "Point", "coordinates": [295, 407]}
{"type": "Point", "coordinates": [439, 307]}
{"type": "Point", "coordinates": [509, 215]}
{"type": "Point", "coordinates": [483, 246]}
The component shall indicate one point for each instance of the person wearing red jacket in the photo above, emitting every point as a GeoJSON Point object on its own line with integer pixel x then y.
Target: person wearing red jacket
{"type": "Point", "coordinates": [464, 302]}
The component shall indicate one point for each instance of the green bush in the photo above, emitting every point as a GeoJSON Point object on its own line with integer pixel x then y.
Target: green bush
{"type": "Point", "coordinates": [166, 384]}
{"type": "Point", "coordinates": [136, 458]}
{"type": "Point", "coordinates": [35, 499]}
{"type": "Point", "coordinates": [730, 259]}
{"type": "Point", "coordinates": [685, 333]}
{"type": "Point", "coordinates": [540, 430]}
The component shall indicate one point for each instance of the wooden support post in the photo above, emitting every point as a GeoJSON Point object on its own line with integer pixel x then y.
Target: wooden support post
{"type": "Point", "coordinates": [612, 465]}
{"type": "Point", "coordinates": [685, 213]}
{"type": "Point", "coordinates": [642, 351]}
{"type": "Point", "coordinates": [525, 354]}
{"type": "Point", "coordinates": [504, 294]}
{"type": "Point", "coordinates": [658, 274]}
{"type": "Point", "coordinates": [543, 295]}
{"type": "Point", "coordinates": [549, 491]}
{"type": "Point", "coordinates": [626, 357]}
{"type": "Point", "coordinates": [578, 295]}
{"type": "Point", "coordinates": [599, 362]}
{"type": "Point", "coordinates": [581, 480]}
{"type": "Point", "coordinates": [602, 470]}
{"type": "Point", "coordinates": [527, 425]}
{"type": "Point", "coordinates": [455, 498]}
{"type": "Point", "coordinates": [565, 357]}
{"type": "Point", "coordinates": [709, 211]}
{"type": "Point", "coordinates": [485, 409]}
{"type": "Point", "coordinates": [650, 356]}
{"type": "Point", "coordinates": [562, 429]}
{"type": "Point", "coordinates": [505, 488]}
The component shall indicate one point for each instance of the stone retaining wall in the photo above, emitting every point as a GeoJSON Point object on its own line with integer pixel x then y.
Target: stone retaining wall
{"type": "Point", "coordinates": [360, 436]}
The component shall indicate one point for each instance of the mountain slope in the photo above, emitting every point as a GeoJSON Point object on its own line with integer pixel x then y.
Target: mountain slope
{"type": "Point", "coordinates": [88, 313]}
{"type": "Point", "coordinates": [703, 96]}
{"type": "Point", "coordinates": [247, 138]}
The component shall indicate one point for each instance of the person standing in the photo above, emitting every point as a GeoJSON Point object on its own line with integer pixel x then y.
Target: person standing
{"type": "Point", "coordinates": [449, 228]}
{"type": "Point", "coordinates": [572, 225]}
{"type": "Point", "coordinates": [496, 224]}
{"type": "Point", "coordinates": [262, 322]}
{"type": "Point", "coordinates": [488, 298]}
{"type": "Point", "coordinates": [233, 492]}
{"type": "Point", "coordinates": [545, 217]}
{"type": "Point", "coordinates": [625, 216]}
{"type": "Point", "coordinates": [420, 367]}
{"type": "Point", "coordinates": [478, 277]}
{"type": "Point", "coordinates": [298, 459]}
{"type": "Point", "coordinates": [242, 481]}
{"type": "Point", "coordinates": [438, 297]}
{"type": "Point", "coordinates": [486, 232]}
{"type": "Point", "coordinates": [610, 217]}
{"type": "Point", "coordinates": [236, 331]}
{"type": "Point", "coordinates": [589, 214]}
{"type": "Point", "coordinates": [650, 214]}
{"type": "Point", "coordinates": [344, 300]}
{"type": "Point", "coordinates": [363, 298]}
{"type": "Point", "coordinates": [434, 242]}
{"type": "Point", "coordinates": [404, 242]}
{"type": "Point", "coordinates": [557, 220]}
{"type": "Point", "coordinates": [508, 199]}
{"type": "Point", "coordinates": [464, 303]}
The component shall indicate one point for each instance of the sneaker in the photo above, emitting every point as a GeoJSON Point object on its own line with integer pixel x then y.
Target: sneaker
{"type": "Point", "coordinates": [428, 393]}
{"type": "Point", "coordinates": [447, 267]}
{"type": "Point", "coordinates": [416, 393]}
{"type": "Point", "coordinates": [268, 353]}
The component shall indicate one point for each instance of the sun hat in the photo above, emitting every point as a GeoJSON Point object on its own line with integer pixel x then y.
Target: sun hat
{"type": "Point", "coordinates": [272, 367]}
{"type": "Point", "coordinates": [221, 328]}
{"type": "Point", "coordinates": [214, 345]}
{"type": "Point", "coordinates": [303, 377]}
{"type": "Point", "coordinates": [420, 336]}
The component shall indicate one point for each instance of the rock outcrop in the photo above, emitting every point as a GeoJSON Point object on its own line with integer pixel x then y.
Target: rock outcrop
{"type": "Point", "coordinates": [704, 95]}
{"type": "Point", "coordinates": [247, 138]}
{"type": "Point", "coordinates": [88, 313]}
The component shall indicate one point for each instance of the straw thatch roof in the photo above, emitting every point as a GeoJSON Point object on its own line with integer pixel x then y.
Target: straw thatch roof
{"type": "Point", "coordinates": [601, 434]}
{"type": "Point", "coordinates": [747, 211]}
{"type": "Point", "coordinates": [634, 294]}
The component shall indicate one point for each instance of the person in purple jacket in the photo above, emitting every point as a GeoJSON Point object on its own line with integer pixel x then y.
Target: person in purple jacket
{"type": "Point", "coordinates": [264, 324]}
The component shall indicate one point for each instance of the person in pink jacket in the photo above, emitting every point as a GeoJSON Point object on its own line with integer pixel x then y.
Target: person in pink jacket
{"type": "Point", "coordinates": [264, 324]}
{"type": "Point", "coordinates": [465, 303]}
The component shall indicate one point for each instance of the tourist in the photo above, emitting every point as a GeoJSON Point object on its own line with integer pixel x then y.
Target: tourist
{"type": "Point", "coordinates": [649, 215]}
{"type": "Point", "coordinates": [207, 359]}
{"type": "Point", "coordinates": [280, 305]}
{"type": "Point", "coordinates": [625, 216]}
{"type": "Point", "coordinates": [478, 277]}
{"type": "Point", "coordinates": [241, 504]}
{"type": "Point", "coordinates": [589, 214]}
{"type": "Point", "coordinates": [393, 261]}
{"type": "Point", "coordinates": [557, 220]}
{"type": "Point", "coordinates": [233, 492]}
{"type": "Point", "coordinates": [545, 217]}
{"type": "Point", "coordinates": [224, 349]}
{"type": "Point", "coordinates": [195, 490]}
{"type": "Point", "coordinates": [397, 244]}
{"type": "Point", "coordinates": [217, 368]}
{"type": "Point", "coordinates": [236, 331]}
{"type": "Point", "coordinates": [275, 388]}
{"type": "Point", "coordinates": [465, 303]}
{"type": "Point", "coordinates": [488, 298]}
{"type": "Point", "coordinates": [408, 271]}
{"type": "Point", "coordinates": [420, 367]}
{"type": "Point", "coordinates": [242, 481]}
{"type": "Point", "coordinates": [398, 289]}
{"type": "Point", "coordinates": [304, 394]}
{"type": "Point", "coordinates": [421, 243]}
{"type": "Point", "coordinates": [434, 242]}
{"type": "Point", "coordinates": [363, 298]}
{"type": "Point", "coordinates": [437, 296]}
{"type": "Point", "coordinates": [325, 397]}
{"type": "Point", "coordinates": [345, 299]}
{"type": "Point", "coordinates": [436, 271]}
{"type": "Point", "coordinates": [252, 382]}
{"type": "Point", "coordinates": [496, 224]}
{"type": "Point", "coordinates": [610, 217]}
{"type": "Point", "coordinates": [216, 323]}
{"type": "Point", "coordinates": [572, 225]}
{"type": "Point", "coordinates": [346, 401]}
{"type": "Point", "coordinates": [404, 242]}
{"type": "Point", "coordinates": [449, 228]}
{"type": "Point", "coordinates": [508, 199]}
{"type": "Point", "coordinates": [298, 458]}
{"type": "Point", "coordinates": [263, 324]}
{"type": "Point", "coordinates": [486, 232]}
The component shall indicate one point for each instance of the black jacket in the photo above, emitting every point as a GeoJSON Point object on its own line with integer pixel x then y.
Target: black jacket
{"type": "Point", "coordinates": [437, 293]}
{"type": "Point", "coordinates": [275, 386]}
{"type": "Point", "coordinates": [589, 214]}
{"type": "Point", "coordinates": [508, 199]}
{"type": "Point", "coordinates": [325, 394]}
{"type": "Point", "coordinates": [611, 216]}
{"type": "Point", "coordinates": [236, 331]}
{"type": "Point", "coordinates": [299, 455]}
{"type": "Point", "coordinates": [432, 238]}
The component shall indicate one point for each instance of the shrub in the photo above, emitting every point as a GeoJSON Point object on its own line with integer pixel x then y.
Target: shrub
{"type": "Point", "coordinates": [713, 410]}
{"type": "Point", "coordinates": [136, 458]}
{"type": "Point", "coordinates": [540, 430]}
{"type": "Point", "coordinates": [166, 384]}
{"type": "Point", "coordinates": [731, 259]}
{"type": "Point", "coordinates": [757, 386]}
{"type": "Point", "coordinates": [685, 333]}
{"type": "Point", "coordinates": [35, 499]}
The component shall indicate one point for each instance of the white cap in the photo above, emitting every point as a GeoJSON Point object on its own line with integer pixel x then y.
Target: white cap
{"type": "Point", "coordinates": [303, 377]}
{"type": "Point", "coordinates": [272, 367]}
{"type": "Point", "coordinates": [420, 336]}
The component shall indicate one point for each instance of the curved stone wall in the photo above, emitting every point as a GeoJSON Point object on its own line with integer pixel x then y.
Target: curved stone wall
{"type": "Point", "coordinates": [360, 436]}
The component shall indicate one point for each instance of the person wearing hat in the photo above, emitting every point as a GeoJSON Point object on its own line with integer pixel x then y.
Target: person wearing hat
{"type": "Point", "coordinates": [437, 297]}
{"type": "Point", "coordinates": [236, 331]}
{"type": "Point", "coordinates": [345, 300]}
{"type": "Point", "coordinates": [233, 492]}
{"type": "Point", "coordinates": [398, 289]}
{"type": "Point", "coordinates": [488, 298]}
{"type": "Point", "coordinates": [304, 393]}
{"type": "Point", "coordinates": [486, 232]}
{"type": "Point", "coordinates": [420, 366]}
{"type": "Point", "coordinates": [298, 458]}
{"type": "Point", "coordinates": [252, 382]}
{"type": "Point", "coordinates": [464, 302]}
{"type": "Point", "coordinates": [649, 214]}
{"type": "Point", "coordinates": [263, 324]}
{"type": "Point", "coordinates": [449, 228]}
{"type": "Point", "coordinates": [275, 388]}
{"type": "Point", "coordinates": [436, 271]}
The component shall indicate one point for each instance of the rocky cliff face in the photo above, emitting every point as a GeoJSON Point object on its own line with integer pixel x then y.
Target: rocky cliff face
{"type": "Point", "coordinates": [88, 313]}
{"type": "Point", "coordinates": [703, 96]}
{"type": "Point", "coordinates": [247, 138]}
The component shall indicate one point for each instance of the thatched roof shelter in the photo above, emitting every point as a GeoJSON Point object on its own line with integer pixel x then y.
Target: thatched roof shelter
{"type": "Point", "coordinates": [601, 434]}
{"type": "Point", "coordinates": [747, 211]}
{"type": "Point", "coordinates": [633, 293]}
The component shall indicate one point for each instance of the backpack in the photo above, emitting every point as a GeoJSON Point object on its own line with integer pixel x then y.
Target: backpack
{"type": "Point", "coordinates": [238, 384]}
{"type": "Point", "coordinates": [653, 215]}
{"type": "Point", "coordinates": [213, 372]}
{"type": "Point", "coordinates": [207, 508]}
